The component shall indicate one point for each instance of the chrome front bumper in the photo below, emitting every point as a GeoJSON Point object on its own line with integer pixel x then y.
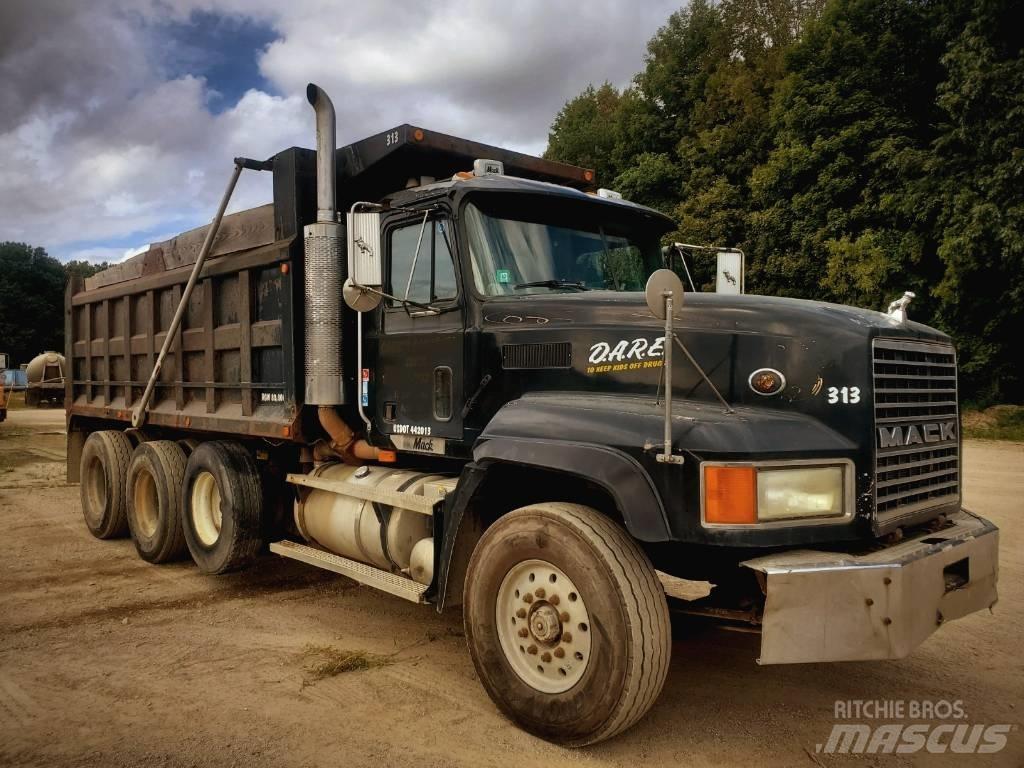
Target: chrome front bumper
{"type": "Point", "coordinates": [829, 606]}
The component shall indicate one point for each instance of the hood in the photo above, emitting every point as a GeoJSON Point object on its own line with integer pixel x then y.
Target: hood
{"type": "Point", "coordinates": [706, 311]}
{"type": "Point", "coordinates": [609, 342]}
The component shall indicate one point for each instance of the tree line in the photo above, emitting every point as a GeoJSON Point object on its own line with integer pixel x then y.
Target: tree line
{"type": "Point", "coordinates": [32, 300]}
{"type": "Point", "coordinates": [854, 149]}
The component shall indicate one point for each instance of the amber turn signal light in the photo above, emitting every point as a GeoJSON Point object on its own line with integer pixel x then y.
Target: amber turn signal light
{"type": "Point", "coordinates": [730, 495]}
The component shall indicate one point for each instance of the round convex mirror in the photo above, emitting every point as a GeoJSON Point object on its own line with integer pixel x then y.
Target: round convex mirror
{"type": "Point", "coordinates": [662, 280]}
{"type": "Point", "coordinates": [358, 298]}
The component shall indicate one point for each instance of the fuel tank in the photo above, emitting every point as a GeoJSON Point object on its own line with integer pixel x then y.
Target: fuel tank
{"type": "Point", "coordinates": [384, 536]}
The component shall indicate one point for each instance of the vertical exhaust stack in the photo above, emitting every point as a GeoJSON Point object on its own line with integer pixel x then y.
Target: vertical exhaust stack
{"type": "Point", "coordinates": [325, 268]}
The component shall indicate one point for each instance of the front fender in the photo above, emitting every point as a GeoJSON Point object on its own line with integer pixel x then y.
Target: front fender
{"type": "Point", "coordinates": [625, 481]}
{"type": "Point", "coordinates": [618, 473]}
{"type": "Point", "coordinates": [530, 432]}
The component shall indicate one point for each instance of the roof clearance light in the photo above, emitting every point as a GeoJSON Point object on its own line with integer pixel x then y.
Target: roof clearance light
{"type": "Point", "coordinates": [484, 167]}
{"type": "Point", "coordinates": [609, 194]}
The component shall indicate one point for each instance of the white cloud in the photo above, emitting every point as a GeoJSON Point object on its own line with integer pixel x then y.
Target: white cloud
{"type": "Point", "coordinates": [98, 144]}
{"type": "Point", "coordinates": [108, 254]}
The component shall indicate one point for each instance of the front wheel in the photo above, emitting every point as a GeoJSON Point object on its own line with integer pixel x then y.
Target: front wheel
{"type": "Point", "coordinates": [566, 622]}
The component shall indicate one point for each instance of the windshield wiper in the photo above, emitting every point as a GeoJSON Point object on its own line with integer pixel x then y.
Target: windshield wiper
{"type": "Point", "coordinates": [556, 283]}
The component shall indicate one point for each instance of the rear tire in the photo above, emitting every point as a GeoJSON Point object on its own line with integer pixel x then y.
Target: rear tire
{"type": "Point", "coordinates": [154, 501]}
{"type": "Point", "coordinates": [222, 507]}
{"type": "Point", "coordinates": [566, 622]}
{"type": "Point", "coordinates": [103, 470]}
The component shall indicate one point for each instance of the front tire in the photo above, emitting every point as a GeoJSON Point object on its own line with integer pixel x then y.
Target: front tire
{"type": "Point", "coordinates": [566, 622]}
{"type": "Point", "coordinates": [222, 507]}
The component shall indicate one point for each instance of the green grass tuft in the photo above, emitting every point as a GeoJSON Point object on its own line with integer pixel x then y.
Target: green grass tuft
{"type": "Point", "coordinates": [1000, 422]}
{"type": "Point", "coordinates": [325, 661]}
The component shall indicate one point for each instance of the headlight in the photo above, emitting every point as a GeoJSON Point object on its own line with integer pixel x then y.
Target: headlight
{"type": "Point", "coordinates": [783, 494]}
{"type": "Point", "coordinates": [745, 495]}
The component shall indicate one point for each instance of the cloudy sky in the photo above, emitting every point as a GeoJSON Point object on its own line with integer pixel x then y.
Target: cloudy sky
{"type": "Point", "coordinates": [119, 118]}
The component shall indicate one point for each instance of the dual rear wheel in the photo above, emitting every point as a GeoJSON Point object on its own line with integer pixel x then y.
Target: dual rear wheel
{"type": "Point", "coordinates": [206, 503]}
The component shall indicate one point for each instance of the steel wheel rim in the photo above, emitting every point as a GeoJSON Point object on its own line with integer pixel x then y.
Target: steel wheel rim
{"type": "Point", "coordinates": [206, 511]}
{"type": "Point", "coordinates": [543, 626]}
{"type": "Point", "coordinates": [95, 490]}
{"type": "Point", "coordinates": [145, 504]}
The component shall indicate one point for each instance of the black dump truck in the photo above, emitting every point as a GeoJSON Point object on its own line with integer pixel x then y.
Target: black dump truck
{"type": "Point", "coordinates": [466, 377]}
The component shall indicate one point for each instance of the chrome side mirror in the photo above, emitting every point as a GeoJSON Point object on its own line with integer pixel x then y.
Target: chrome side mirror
{"type": "Point", "coordinates": [365, 256]}
{"type": "Point", "coordinates": [660, 283]}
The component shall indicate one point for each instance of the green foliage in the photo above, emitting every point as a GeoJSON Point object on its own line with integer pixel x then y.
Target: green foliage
{"type": "Point", "coordinates": [31, 302]}
{"type": "Point", "coordinates": [1000, 422]}
{"type": "Point", "coordinates": [854, 150]}
{"type": "Point", "coordinates": [980, 157]}
{"type": "Point", "coordinates": [585, 131]}
{"type": "Point", "coordinates": [83, 269]}
{"type": "Point", "coordinates": [32, 299]}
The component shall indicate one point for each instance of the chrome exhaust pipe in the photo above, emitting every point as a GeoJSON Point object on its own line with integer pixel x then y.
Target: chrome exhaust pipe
{"type": "Point", "coordinates": [325, 268]}
{"type": "Point", "coordinates": [326, 135]}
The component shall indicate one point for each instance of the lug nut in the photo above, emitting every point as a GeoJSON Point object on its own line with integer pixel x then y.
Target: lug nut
{"type": "Point", "coordinates": [567, 637]}
{"type": "Point", "coordinates": [540, 592]}
{"type": "Point", "coordinates": [528, 597]}
{"type": "Point", "coordinates": [545, 657]}
{"type": "Point", "coordinates": [559, 652]}
{"type": "Point", "coordinates": [553, 600]}
{"type": "Point", "coordinates": [532, 650]}
{"type": "Point", "coordinates": [564, 616]}
{"type": "Point", "coordinates": [521, 613]}
{"type": "Point", "coordinates": [524, 632]}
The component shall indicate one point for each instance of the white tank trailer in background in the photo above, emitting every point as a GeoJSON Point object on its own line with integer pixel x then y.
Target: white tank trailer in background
{"type": "Point", "coordinates": [45, 376]}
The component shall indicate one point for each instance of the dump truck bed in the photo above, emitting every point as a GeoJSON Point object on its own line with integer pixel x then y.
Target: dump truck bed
{"type": "Point", "coordinates": [232, 365]}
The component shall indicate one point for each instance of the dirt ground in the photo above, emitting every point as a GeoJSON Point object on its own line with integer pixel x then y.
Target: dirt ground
{"type": "Point", "coordinates": [106, 660]}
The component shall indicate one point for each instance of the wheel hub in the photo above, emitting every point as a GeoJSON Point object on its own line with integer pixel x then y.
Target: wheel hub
{"type": "Point", "coordinates": [543, 626]}
{"type": "Point", "coordinates": [207, 516]}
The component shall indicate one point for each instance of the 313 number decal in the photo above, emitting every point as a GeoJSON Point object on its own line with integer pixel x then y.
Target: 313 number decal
{"type": "Point", "coordinates": [844, 395]}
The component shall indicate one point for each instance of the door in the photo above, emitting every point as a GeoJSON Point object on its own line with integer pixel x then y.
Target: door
{"type": "Point", "coordinates": [419, 377]}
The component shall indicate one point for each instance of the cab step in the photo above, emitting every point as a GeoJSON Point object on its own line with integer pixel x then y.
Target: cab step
{"type": "Point", "coordinates": [399, 586]}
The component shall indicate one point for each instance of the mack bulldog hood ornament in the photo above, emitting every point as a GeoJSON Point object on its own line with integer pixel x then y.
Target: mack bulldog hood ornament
{"type": "Point", "coordinates": [898, 309]}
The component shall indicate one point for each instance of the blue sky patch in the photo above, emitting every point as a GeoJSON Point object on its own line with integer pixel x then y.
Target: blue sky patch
{"type": "Point", "coordinates": [224, 49]}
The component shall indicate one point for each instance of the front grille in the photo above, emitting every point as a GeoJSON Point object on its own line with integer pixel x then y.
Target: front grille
{"type": "Point", "coordinates": [917, 442]}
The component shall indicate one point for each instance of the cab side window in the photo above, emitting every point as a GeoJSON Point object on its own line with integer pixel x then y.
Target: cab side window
{"type": "Point", "coordinates": [433, 279]}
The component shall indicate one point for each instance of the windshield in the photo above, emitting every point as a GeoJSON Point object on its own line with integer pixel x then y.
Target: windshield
{"type": "Point", "coordinates": [548, 245]}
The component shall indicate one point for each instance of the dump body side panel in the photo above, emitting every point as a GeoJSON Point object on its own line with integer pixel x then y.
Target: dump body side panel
{"type": "Point", "coordinates": [232, 366]}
